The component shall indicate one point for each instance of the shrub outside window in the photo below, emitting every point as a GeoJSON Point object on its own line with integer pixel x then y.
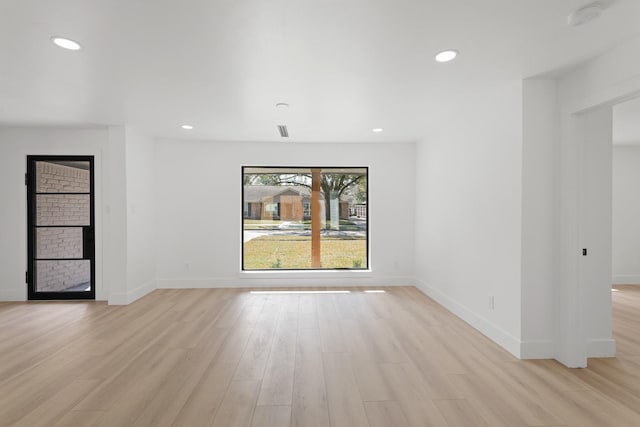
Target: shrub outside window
{"type": "Point", "coordinates": [305, 218]}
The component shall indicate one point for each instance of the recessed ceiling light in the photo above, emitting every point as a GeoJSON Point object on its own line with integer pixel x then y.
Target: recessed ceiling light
{"type": "Point", "coordinates": [585, 14]}
{"type": "Point", "coordinates": [377, 130]}
{"type": "Point", "coordinates": [446, 55]}
{"type": "Point", "coordinates": [186, 127]}
{"type": "Point", "coordinates": [66, 43]}
{"type": "Point", "coordinates": [282, 105]}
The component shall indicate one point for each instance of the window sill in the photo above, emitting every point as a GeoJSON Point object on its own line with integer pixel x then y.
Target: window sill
{"type": "Point", "coordinates": [305, 274]}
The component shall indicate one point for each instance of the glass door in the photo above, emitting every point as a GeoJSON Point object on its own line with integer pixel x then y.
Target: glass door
{"type": "Point", "coordinates": [61, 232]}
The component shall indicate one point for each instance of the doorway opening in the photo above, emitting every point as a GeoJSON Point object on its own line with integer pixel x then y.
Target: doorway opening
{"type": "Point", "coordinates": [60, 223]}
{"type": "Point", "coordinates": [626, 198]}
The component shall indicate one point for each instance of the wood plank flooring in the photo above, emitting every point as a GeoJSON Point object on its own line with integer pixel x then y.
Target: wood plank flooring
{"type": "Point", "coordinates": [225, 357]}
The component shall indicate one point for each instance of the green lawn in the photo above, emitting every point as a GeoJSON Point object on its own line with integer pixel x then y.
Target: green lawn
{"type": "Point", "coordinates": [291, 252]}
{"type": "Point", "coordinates": [261, 224]}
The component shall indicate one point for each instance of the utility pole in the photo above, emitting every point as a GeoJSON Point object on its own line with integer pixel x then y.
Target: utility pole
{"type": "Point", "coordinates": [315, 218]}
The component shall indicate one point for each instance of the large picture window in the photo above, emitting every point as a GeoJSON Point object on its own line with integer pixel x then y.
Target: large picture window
{"type": "Point", "coordinates": [301, 218]}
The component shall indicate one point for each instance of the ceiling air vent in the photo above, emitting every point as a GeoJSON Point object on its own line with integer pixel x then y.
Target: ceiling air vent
{"type": "Point", "coordinates": [283, 131]}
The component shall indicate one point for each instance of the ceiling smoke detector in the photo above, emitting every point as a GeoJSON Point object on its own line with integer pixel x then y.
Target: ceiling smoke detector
{"type": "Point", "coordinates": [585, 14]}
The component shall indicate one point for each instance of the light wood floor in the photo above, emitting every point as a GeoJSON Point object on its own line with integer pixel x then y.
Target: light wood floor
{"type": "Point", "coordinates": [229, 358]}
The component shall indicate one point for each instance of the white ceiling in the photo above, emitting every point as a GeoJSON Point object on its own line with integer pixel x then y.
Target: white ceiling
{"type": "Point", "coordinates": [344, 66]}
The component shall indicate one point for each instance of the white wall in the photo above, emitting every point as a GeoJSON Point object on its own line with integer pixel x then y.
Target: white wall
{"type": "Point", "coordinates": [611, 77]}
{"type": "Point", "coordinates": [130, 215]}
{"type": "Point", "coordinates": [15, 145]}
{"type": "Point", "coordinates": [468, 228]}
{"type": "Point", "coordinates": [539, 225]}
{"type": "Point", "coordinates": [124, 206]}
{"type": "Point", "coordinates": [626, 214]}
{"type": "Point", "coordinates": [585, 96]}
{"type": "Point", "coordinates": [141, 213]}
{"type": "Point", "coordinates": [115, 218]}
{"type": "Point", "coordinates": [198, 234]}
{"type": "Point", "coordinates": [472, 242]}
{"type": "Point", "coordinates": [595, 230]}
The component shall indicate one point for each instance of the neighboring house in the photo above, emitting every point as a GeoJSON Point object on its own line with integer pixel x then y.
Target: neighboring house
{"type": "Point", "coordinates": [287, 203]}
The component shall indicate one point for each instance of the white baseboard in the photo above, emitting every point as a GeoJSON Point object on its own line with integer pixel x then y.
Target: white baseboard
{"type": "Point", "coordinates": [133, 295]}
{"type": "Point", "coordinates": [216, 283]}
{"type": "Point", "coordinates": [282, 281]}
{"type": "Point", "coordinates": [537, 349]}
{"type": "Point", "coordinates": [601, 347]}
{"type": "Point", "coordinates": [626, 279]}
{"type": "Point", "coordinates": [493, 332]}
{"type": "Point", "coordinates": [13, 295]}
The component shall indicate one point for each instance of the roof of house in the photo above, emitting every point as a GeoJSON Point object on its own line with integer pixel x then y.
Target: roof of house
{"type": "Point", "coordinates": [257, 193]}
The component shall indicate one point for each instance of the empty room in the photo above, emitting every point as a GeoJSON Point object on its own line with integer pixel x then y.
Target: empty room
{"type": "Point", "coordinates": [320, 213]}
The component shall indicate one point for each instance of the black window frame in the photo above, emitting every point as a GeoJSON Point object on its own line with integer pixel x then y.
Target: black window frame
{"type": "Point", "coordinates": [367, 233]}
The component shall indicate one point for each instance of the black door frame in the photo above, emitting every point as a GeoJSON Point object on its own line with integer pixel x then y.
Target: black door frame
{"type": "Point", "coordinates": [88, 233]}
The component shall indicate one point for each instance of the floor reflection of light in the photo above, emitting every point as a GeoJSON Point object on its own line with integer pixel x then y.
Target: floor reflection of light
{"type": "Point", "coordinates": [299, 292]}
